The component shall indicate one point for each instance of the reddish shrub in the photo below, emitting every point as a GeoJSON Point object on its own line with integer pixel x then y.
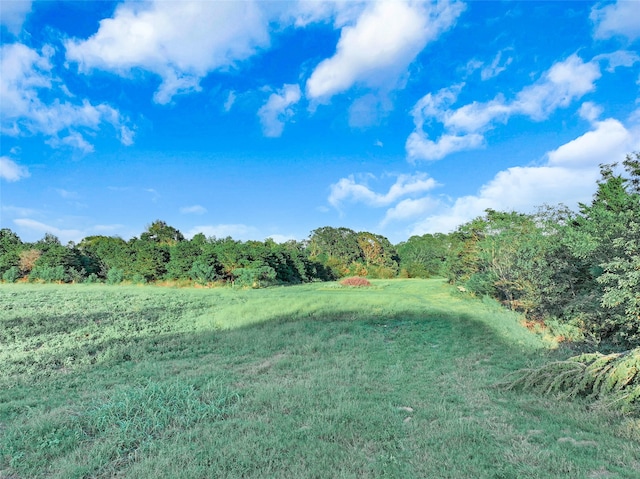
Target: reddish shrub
{"type": "Point", "coordinates": [355, 281]}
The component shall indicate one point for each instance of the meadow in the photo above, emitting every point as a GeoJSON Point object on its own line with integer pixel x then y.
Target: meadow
{"type": "Point", "coordinates": [312, 381]}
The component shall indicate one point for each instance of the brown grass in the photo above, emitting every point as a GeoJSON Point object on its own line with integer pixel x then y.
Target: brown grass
{"type": "Point", "coordinates": [355, 281]}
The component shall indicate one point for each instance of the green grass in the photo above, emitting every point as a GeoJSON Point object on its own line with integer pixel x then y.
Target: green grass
{"type": "Point", "coordinates": [312, 381]}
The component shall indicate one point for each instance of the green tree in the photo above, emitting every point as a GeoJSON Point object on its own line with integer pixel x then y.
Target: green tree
{"type": "Point", "coordinates": [424, 256]}
{"type": "Point", "coordinates": [161, 232]}
{"type": "Point", "coordinates": [10, 248]}
{"type": "Point", "coordinates": [101, 253]}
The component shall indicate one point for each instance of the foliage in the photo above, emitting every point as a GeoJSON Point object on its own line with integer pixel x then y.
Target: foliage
{"type": "Point", "coordinates": [27, 259]}
{"type": "Point", "coordinates": [425, 256]}
{"type": "Point", "coordinates": [161, 232]}
{"type": "Point", "coordinates": [115, 276]}
{"type": "Point", "coordinates": [48, 274]}
{"type": "Point", "coordinates": [612, 379]}
{"type": "Point", "coordinates": [10, 248]}
{"type": "Point", "coordinates": [11, 275]}
{"type": "Point", "coordinates": [254, 276]}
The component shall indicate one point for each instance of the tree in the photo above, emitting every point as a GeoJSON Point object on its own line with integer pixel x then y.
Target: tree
{"type": "Point", "coordinates": [424, 256]}
{"type": "Point", "coordinates": [161, 232]}
{"type": "Point", "coordinates": [10, 248]}
{"type": "Point", "coordinates": [102, 253]}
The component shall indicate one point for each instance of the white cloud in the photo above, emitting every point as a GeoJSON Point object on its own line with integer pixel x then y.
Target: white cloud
{"type": "Point", "coordinates": [620, 18]}
{"type": "Point", "coordinates": [18, 211]}
{"type": "Point", "coordinates": [179, 41]}
{"type": "Point", "coordinates": [590, 111]}
{"type": "Point", "coordinates": [348, 189]}
{"type": "Point", "coordinates": [231, 99]}
{"type": "Point", "coordinates": [26, 74]}
{"type": "Point", "coordinates": [13, 14]}
{"type": "Point", "coordinates": [497, 66]}
{"type": "Point", "coordinates": [609, 141]}
{"type": "Point", "coordinates": [378, 49]}
{"type": "Point", "coordinates": [568, 177]}
{"type": "Point", "coordinates": [193, 210]}
{"type": "Point", "coordinates": [236, 231]}
{"type": "Point", "coordinates": [619, 58]}
{"type": "Point", "coordinates": [303, 13]}
{"type": "Point", "coordinates": [278, 109]}
{"type": "Point", "coordinates": [73, 140]}
{"type": "Point", "coordinates": [71, 195]}
{"type": "Point", "coordinates": [12, 171]}
{"type": "Point", "coordinates": [420, 147]}
{"type": "Point", "coordinates": [64, 235]}
{"type": "Point", "coordinates": [563, 83]}
{"type": "Point", "coordinates": [409, 209]}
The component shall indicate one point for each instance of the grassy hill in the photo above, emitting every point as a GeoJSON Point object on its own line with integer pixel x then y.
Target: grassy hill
{"type": "Point", "coordinates": [312, 381]}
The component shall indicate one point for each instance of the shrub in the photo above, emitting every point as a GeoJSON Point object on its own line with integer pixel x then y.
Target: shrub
{"type": "Point", "coordinates": [138, 279]}
{"type": "Point", "coordinates": [612, 379]}
{"type": "Point", "coordinates": [254, 277]}
{"type": "Point", "coordinates": [115, 276]}
{"type": "Point", "coordinates": [48, 274]}
{"type": "Point", "coordinates": [77, 276]}
{"type": "Point", "coordinates": [355, 281]}
{"type": "Point", "coordinates": [11, 275]}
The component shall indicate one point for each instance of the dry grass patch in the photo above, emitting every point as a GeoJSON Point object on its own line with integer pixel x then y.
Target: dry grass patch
{"type": "Point", "coordinates": [355, 282]}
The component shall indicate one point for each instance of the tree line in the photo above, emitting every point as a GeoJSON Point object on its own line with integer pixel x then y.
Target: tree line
{"type": "Point", "coordinates": [162, 253]}
{"type": "Point", "coordinates": [579, 269]}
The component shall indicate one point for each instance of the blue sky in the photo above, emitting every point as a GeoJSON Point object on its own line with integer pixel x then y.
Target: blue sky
{"type": "Point", "coordinates": [260, 119]}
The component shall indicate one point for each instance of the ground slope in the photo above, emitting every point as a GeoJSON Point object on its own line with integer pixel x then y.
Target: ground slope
{"type": "Point", "coordinates": [312, 381]}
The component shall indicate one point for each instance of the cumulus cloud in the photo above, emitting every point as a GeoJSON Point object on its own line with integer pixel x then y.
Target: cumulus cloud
{"type": "Point", "coordinates": [569, 176]}
{"type": "Point", "coordinates": [193, 210]}
{"type": "Point", "coordinates": [565, 82]}
{"type": "Point", "coordinates": [12, 171]}
{"type": "Point", "coordinates": [377, 50]}
{"type": "Point", "coordinates": [348, 189]}
{"type": "Point", "coordinates": [179, 41]}
{"type": "Point", "coordinates": [620, 18]}
{"type": "Point", "coordinates": [26, 74]}
{"type": "Point", "coordinates": [278, 109]}
{"type": "Point", "coordinates": [608, 141]}
{"type": "Point", "coordinates": [409, 209]}
{"type": "Point", "coordinates": [13, 14]}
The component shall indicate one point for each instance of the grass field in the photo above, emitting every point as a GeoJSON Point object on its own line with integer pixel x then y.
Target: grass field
{"type": "Point", "coordinates": [312, 381]}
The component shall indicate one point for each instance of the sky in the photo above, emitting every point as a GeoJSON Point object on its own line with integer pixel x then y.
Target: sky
{"type": "Point", "coordinates": [257, 119]}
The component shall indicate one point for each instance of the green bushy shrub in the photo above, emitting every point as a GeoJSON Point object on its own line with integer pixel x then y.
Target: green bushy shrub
{"type": "Point", "coordinates": [115, 276]}
{"type": "Point", "coordinates": [48, 274]}
{"type": "Point", "coordinates": [11, 275]}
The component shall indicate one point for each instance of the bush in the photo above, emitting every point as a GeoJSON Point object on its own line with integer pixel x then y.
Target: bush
{"type": "Point", "coordinates": [202, 273]}
{"type": "Point", "coordinates": [138, 279]}
{"type": "Point", "coordinates": [11, 275]}
{"type": "Point", "coordinates": [48, 274]}
{"type": "Point", "coordinates": [115, 276]}
{"type": "Point", "coordinates": [255, 277]}
{"type": "Point", "coordinates": [356, 282]}
{"type": "Point", "coordinates": [77, 276]}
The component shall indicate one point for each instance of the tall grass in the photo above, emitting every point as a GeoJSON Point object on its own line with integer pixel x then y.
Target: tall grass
{"type": "Point", "coordinates": [309, 381]}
